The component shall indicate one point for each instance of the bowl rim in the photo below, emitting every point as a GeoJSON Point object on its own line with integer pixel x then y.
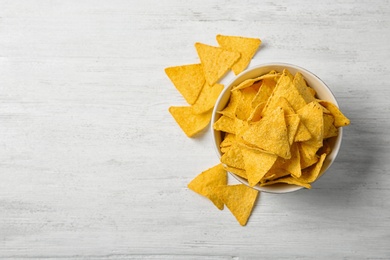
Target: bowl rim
{"type": "Point", "coordinates": [280, 188]}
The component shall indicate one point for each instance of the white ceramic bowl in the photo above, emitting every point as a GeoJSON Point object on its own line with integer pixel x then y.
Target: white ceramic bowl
{"type": "Point", "coordinates": [323, 92]}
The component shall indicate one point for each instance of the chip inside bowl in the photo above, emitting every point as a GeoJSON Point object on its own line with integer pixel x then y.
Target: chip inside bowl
{"type": "Point", "coordinates": [278, 130]}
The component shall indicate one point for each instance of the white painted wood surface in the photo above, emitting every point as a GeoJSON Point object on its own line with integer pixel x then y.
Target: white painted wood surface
{"type": "Point", "coordinates": [92, 166]}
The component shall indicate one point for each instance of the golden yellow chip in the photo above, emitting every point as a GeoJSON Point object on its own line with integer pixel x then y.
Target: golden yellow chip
{"type": "Point", "coordinates": [256, 112]}
{"type": "Point", "coordinates": [239, 199]}
{"type": "Point", "coordinates": [312, 117]}
{"type": "Point", "coordinates": [205, 183]}
{"type": "Point", "coordinates": [288, 180]}
{"type": "Point", "coordinates": [265, 91]}
{"type": "Point", "coordinates": [215, 61]}
{"type": "Point", "coordinates": [244, 108]}
{"type": "Point", "coordinates": [293, 165]}
{"type": "Point", "coordinates": [292, 124]}
{"type": "Point", "coordinates": [225, 124]}
{"type": "Point", "coordinates": [302, 133]}
{"type": "Point", "coordinates": [339, 118]}
{"type": "Point", "coordinates": [250, 82]}
{"type": "Point", "coordinates": [228, 140]}
{"type": "Point", "coordinates": [247, 47]}
{"type": "Point", "coordinates": [305, 91]}
{"type": "Point", "coordinates": [285, 88]}
{"type": "Point", "coordinates": [237, 171]}
{"type": "Point", "coordinates": [188, 80]}
{"type": "Point", "coordinates": [270, 134]}
{"type": "Point", "coordinates": [233, 157]}
{"type": "Point", "coordinates": [312, 173]}
{"type": "Point", "coordinates": [188, 121]}
{"type": "Point", "coordinates": [257, 164]}
{"type": "Point", "coordinates": [307, 154]}
{"type": "Point", "coordinates": [329, 129]}
{"type": "Point", "coordinates": [230, 109]}
{"type": "Point", "coordinates": [207, 98]}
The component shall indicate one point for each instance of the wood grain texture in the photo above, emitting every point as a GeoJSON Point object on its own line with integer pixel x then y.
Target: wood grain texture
{"type": "Point", "coordinates": [92, 166]}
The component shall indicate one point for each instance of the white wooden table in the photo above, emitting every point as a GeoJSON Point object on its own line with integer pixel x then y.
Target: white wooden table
{"type": "Point", "coordinates": [92, 166]}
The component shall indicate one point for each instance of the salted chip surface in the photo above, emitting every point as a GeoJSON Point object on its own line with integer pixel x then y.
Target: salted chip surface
{"type": "Point", "coordinates": [270, 134]}
{"type": "Point", "coordinates": [247, 47]}
{"type": "Point", "coordinates": [239, 199]}
{"type": "Point", "coordinates": [339, 118]}
{"type": "Point", "coordinates": [312, 117]}
{"type": "Point", "coordinates": [215, 61]}
{"type": "Point", "coordinates": [257, 164]}
{"type": "Point", "coordinates": [205, 183]}
{"type": "Point", "coordinates": [188, 121]}
{"type": "Point", "coordinates": [312, 173]}
{"type": "Point", "coordinates": [233, 157]}
{"type": "Point", "coordinates": [188, 80]}
{"type": "Point", "coordinates": [207, 98]}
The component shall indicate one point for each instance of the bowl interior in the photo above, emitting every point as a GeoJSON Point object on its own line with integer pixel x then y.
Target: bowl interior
{"type": "Point", "coordinates": [323, 92]}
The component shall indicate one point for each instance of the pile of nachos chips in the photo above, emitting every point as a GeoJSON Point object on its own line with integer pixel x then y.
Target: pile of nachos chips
{"type": "Point", "coordinates": [274, 128]}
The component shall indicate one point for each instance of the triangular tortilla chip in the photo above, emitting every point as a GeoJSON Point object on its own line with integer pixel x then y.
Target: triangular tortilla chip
{"type": "Point", "coordinates": [312, 117]}
{"type": "Point", "coordinates": [257, 164]}
{"type": "Point", "coordinates": [300, 84]}
{"type": "Point", "coordinates": [284, 88]}
{"type": "Point", "coordinates": [239, 172]}
{"type": "Point", "coordinates": [205, 184]}
{"type": "Point", "coordinates": [293, 165]}
{"type": "Point", "coordinates": [288, 180]}
{"type": "Point", "coordinates": [239, 199]}
{"type": "Point", "coordinates": [228, 140]}
{"type": "Point", "coordinates": [307, 154]}
{"type": "Point", "coordinates": [215, 61]}
{"type": "Point", "coordinates": [270, 134]}
{"type": "Point", "coordinates": [247, 47]}
{"type": "Point", "coordinates": [188, 121]}
{"type": "Point", "coordinates": [225, 124]}
{"type": "Point", "coordinates": [265, 91]}
{"type": "Point", "coordinates": [302, 133]}
{"type": "Point", "coordinates": [312, 173]}
{"type": "Point", "coordinates": [207, 98]}
{"type": "Point", "coordinates": [233, 157]}
{"type": "Point", "coordinates": [230, 109]}
{"type": "Point", "coordinates": [188, 80]}
{"type": "Point", "coordinates": [339, 118]}
{"type": "Point", "coordinates": [243, 110]}
{"type": "Point", "coordinates": [292, 124]}
{"type": "Point", "coordinates": [249, 82]}
{"type": "Point", "coordinates": [329, 129]}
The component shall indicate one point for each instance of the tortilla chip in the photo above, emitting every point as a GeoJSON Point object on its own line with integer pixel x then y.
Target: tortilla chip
{"type": "Point", "coordinates": [329, 129]}
{"type": "Point", "coordinates": [312, 117]}
{"type": "Point", "coordinates": [188, 80]}
{"type": "Point", "coordinates": [230, 109]}
{"type": "Point", "coordinates": [265, 91]}
{"type": "Point", "coordinates": [302, 133]}
{"type": "Point", "coordinates": [339, 118]}
{"type": "Point", "coordinates": [306, 155]}
{"type": "Point", "coordinates": [215, 61]}
{"type": "Point", "coordinates": [293, 165]}
{"type": "Point", "coordinates": [256, 112]}
{"type": "Point", "coordinates": [205, 183]}
{"type": "Point", "coordinates": [207, 98]}
{"type": "Point", "coordinates": [188, 121]}
{"type": "Point", "coordinates": [247, 47]}
{"type": "Point", "coordinates": [228, 140]}
{"type": "Point", "coordinates": [300, 83]}
{"type": "Point", "coordinates": [312, 173]}
{"type": "Point", "coordinates": [270, 134]}
{"type": "Point", "coordinates": [243, 110]}
{"type": "Point", "coordinates": [239, 172]}
{"type": "Point", "coordinates": [239, 199]}
{"type": "Point", "coordinates": [292, 124]}
{"type": "Point", "coordinates": [288, 180]}
{"type": "Point", "coordinates": [250, 82]}
{"type": "Point", "coordinates": [225, 124]}
{"type": "Point", "coordinates": [257, 164]}
{"type": "Point", "coordinates": [233, 157]}
{"type": "Point", "coordinates": [284, 88]}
